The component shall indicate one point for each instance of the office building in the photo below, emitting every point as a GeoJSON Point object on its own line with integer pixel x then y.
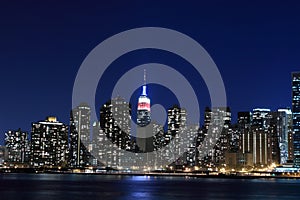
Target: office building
{"type": "Point", "coordinates": [244, 120]}
{"type": "Point", "coordinates": [296, 116]}
{"type": "Point", "coordinates": [260, 117]}
{"type": "Point", "coordinates": [259, 143]}
{"type": "Point", "coordinates": [285, 134]}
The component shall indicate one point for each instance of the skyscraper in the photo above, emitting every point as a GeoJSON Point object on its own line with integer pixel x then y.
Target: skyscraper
{"type": "Point", "coordinates": [17, 145]}
{"type": "Point", "coordinates": [285, 133]}
{"type": "Point", "coordinates": [100, 150]}
{"type": "Point", "coordinates": [176, 124]}
{"type": "Point", "coordinates": [222, 143]}
{"type": "Point", "coordinates": [49, 144]}
{"type": "Point", "coordinates": [115, 123]}
{"type": "Point", "coordinates": [275, 122]}
{"type": "Point", "coordinates": [259, 144]}
{"type": "Point", "coordinates": [80, 136]}
{"type": "Point", "coordinates": [246, 139]}
{"type": "Point", "coordinates": [296, 116]}
{"type": "Point", "coordinates": [244, 125]}
{"type": "Point", "coordinates": [144, 139]}
{"type": "Point", "coordinates": [260, 117]}
{"type": "Point", "coordinates": [143, 110]}
{"type": "Point", "coordinates": [244, 119]}
{"type": "Point", "coordinates": [263, 133]}
{"type": "Point", "coordinates": [261, 147]}
{"type": "Point", "coordinates": [219, 120]}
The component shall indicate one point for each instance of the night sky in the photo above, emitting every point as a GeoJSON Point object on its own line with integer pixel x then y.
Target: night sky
{"type": "Point", "coordinates": [255, 45]}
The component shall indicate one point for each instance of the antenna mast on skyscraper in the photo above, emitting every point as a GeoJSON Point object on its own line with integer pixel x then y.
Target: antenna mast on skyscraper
{"type": "Point", "coordinates": [144, 76]}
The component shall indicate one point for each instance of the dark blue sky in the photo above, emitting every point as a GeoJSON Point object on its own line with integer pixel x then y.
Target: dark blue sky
{"type": "Point", "coordinates": [255, 44]}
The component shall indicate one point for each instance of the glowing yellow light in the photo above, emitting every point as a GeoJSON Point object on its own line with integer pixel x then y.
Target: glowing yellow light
{"type": "Point", "coordinates": [52, 119]}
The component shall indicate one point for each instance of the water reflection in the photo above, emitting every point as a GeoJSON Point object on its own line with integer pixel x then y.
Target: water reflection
{"type": "Point", "coordinates": [89, 187]}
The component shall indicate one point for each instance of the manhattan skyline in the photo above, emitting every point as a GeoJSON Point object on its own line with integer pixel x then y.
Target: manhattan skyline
{"type": "Point", "coordinates": [255, 47]}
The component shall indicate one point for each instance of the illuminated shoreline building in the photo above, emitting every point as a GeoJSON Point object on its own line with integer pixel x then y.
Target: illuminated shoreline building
{"type": "Point", "coordinates": [176, 125]}
{"type": "Point", "coordinates": [17, 145]}
{"type": "Point", "coordinates": [49, 144]}
{"type": "Point", "coordinates": [80, 136]}
{"type": "Point", "coordinates": [296, 116]}
{"type": "Point", "coordinates": [285, 134]}
{"type": "Point", "coordinates": [114, 129]}
{"type": "Point", "coordinates": [219, 118]}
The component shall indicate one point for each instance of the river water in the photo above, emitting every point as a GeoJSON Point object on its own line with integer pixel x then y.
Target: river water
{"type": "Point", "coordinates": [102, 187]}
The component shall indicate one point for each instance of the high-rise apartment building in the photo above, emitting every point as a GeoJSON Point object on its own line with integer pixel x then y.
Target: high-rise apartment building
{"type": "Point", "coordinates": [176, 125]}
{"type": "Point", "coordinates": [80, 136]}
{"type": "Point", "coordinates": [115, 123]}
{"type": "Point", "coordinates": [216, 125]}
{"type": "Point", "coordinates": [17, 145]}
{"type": "Point", "coordinates": [102, 147]}
{"type": "Point", "coordinates": [49, 144]}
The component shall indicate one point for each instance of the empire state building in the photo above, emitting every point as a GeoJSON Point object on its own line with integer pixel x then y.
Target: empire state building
{"type": "Point", "coordinates": [144, 126]}
{"type": "Point", "coordinates": [143, 110]}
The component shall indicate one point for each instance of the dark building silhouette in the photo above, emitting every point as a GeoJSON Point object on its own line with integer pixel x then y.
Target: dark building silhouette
{"type": "Point", "coordinates": [244, 119]}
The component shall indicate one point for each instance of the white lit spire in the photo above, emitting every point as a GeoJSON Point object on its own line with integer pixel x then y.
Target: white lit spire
{"type": "Point", "coordinates": [144, 93]}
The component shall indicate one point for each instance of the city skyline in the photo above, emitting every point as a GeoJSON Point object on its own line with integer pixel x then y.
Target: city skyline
{"type": "Point", "coordinates": [143, 93]}
{"type": "Point", "coordinates": [261, 139]}
{"type": "Point", "coordinates": [255, 46]}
